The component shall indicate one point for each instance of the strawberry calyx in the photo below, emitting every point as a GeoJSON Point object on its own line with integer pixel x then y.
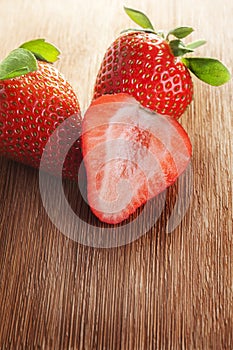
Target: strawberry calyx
{"type": "Point", "coordinates": [23, 60]}
{"type": "Point", "coordinates": [209, 70]}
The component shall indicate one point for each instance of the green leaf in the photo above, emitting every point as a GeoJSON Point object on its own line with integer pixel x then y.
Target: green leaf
{"type": "Point", "coordinates": [181, 32]}
{"type": "Point", "coordinates": [178, 48]}
{"type": "Point", "coordinates": [139, 18]}
{"type": "Point", "coordinates": [209, 70]}
{"type": "Point", "coordinates": [196, 44]}
{"type": "Point", "coordinates": [17, 63]}
{"type": "Point", "coordinates": [42, 50]}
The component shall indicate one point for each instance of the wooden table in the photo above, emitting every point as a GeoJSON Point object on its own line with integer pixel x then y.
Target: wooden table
{"type": "Point", "coordinates": [163, 291]}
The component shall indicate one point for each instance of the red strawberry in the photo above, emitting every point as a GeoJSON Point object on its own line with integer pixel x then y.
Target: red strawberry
{"type": "Point", "coordinates": [147, 65]}
{"type": "Point", "coordinates": [129, 156]}
{"type": "Point", "coordinates": [33, 105]}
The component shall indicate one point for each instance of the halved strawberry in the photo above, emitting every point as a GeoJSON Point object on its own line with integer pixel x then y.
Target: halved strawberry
{"type": "Point", "coordinates": [129, 156]}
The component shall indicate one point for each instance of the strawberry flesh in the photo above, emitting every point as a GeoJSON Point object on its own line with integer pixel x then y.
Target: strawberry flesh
{"type": "Point", "coordinates": [130, 154]}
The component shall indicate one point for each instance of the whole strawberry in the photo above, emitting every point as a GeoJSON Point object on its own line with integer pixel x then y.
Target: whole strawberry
{"type": "Point", "coordinates": [151, 67]}
{"type": "Point", "coordinates": [34, 100]}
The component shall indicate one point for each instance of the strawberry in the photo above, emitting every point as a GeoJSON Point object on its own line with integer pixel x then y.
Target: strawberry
{"type": "Point", "coordinates": [129, 155]}
{"type": "Point", "coordinates": [34, 99]}
{"type": "Point", "coordinates": [148, 65]}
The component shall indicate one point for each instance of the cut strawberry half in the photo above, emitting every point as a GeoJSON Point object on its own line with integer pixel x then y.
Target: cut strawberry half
{"type": "Point", "coordinates": [131, 155]}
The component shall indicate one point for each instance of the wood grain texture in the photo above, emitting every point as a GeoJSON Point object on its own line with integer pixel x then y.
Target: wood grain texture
{"type": "Point", "coordinates": [163, 291]}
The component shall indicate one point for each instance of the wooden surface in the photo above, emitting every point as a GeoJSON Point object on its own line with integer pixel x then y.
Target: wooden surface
{"type": "Point", "coordinates": [163, 291]}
